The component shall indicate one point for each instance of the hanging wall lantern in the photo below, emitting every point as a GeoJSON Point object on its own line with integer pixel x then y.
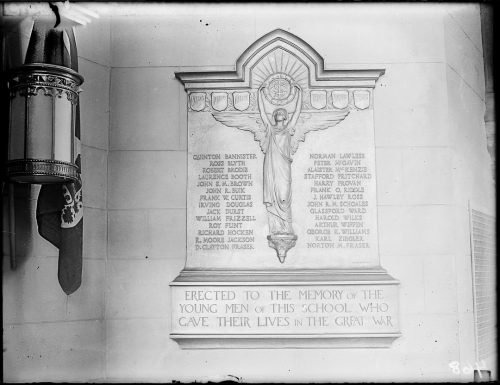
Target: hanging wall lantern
{"type": "Point", "coordinates": [43, 100]}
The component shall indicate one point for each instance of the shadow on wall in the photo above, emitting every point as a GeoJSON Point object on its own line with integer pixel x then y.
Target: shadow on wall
{"type": "Point", "coordinates": [25, 227]}
{"type": "Point", "coordinates": [14, 45]}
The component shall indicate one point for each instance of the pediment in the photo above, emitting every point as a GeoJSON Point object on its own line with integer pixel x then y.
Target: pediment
{"type": "Point", "coordinates": [280, 52]}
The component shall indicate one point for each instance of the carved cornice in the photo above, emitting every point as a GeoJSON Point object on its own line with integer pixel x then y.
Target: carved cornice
{"type": "Point", "coordinates": [375, 275]}
{"type": "Point", "coordinates": [289, 341]}
{"type": "Point", "coordinates": [318, 75]}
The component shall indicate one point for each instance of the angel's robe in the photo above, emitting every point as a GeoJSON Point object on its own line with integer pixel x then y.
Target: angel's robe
{"type": "Point", "coordinates": [278, 179]}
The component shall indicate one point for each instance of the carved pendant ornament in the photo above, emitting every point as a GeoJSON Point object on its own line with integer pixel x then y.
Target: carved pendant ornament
{"type": "Point", "coordinates": [284, 98]}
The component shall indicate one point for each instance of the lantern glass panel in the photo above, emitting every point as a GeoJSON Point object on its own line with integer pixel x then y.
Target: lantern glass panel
{"type": "Point", "coordinates": [17, 113]}
{"type": "Point", "coordinates": [63, 129]}
{"type": "Point", "coordinates": [39, 133]}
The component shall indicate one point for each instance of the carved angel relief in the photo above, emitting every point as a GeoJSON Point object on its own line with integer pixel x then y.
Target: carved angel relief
{"type": "Point", "coordinates": [279, 126]}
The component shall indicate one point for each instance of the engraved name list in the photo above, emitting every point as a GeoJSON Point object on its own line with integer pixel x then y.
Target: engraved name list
{"type": "Point", "coordinates": [224, 196]}
{"type": "Point", "coordinates": [338, 202]}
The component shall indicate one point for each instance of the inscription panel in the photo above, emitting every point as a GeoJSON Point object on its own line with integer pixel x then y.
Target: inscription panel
{"type": "Point", "coordinates": [285, 309]}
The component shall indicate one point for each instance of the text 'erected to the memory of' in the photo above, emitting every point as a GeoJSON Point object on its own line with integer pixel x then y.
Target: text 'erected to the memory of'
{"type": "Point", "coordinates": [296, 308]}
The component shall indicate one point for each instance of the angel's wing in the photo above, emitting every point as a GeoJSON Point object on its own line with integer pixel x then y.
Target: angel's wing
{"type": "Point", "coordinates": [313, 121]}
{"type": "Point", "coordinates": [244, 121]}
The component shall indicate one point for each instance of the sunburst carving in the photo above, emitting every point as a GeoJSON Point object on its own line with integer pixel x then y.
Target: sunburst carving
{"type": "Point", "coordinates": [279, 61]}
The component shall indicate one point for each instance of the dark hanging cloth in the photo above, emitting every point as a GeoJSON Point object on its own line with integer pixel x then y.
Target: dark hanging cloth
{"type": "Point", "coordinates": [59, 211]}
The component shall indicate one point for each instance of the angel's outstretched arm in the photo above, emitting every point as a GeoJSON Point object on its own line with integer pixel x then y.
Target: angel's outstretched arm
{"type": "Point", "coordinates": [296, 113]}
{"type": "Point", "coordinates": [262, 111]}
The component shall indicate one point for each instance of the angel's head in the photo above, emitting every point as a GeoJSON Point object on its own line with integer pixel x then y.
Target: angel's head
{"type": "Point", "coordinates": [280, 115]}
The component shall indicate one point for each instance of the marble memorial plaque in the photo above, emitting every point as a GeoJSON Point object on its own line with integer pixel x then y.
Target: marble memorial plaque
{"type": "Point", "coordinates": [281, 198]}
